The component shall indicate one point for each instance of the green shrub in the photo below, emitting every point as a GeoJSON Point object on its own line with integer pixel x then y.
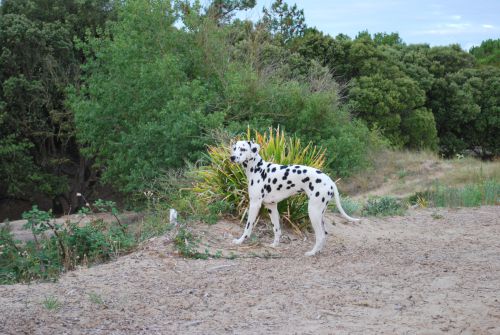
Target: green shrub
{"type": "Point", "coordinates": [223, 181]}
{"type": "Point", "coordinates": [419, 128]}
{"type": "Point", "coordinates": [383, 206]}
{"type": "Point", "coordinates": [69, 245]}
{"type": "Point", "coordinates": [350, 206]}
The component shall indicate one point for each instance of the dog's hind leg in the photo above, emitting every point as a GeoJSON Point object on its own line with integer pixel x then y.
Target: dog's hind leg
{"type": "Point", "coordinates": [315, 209]}
{"type": "Point", "coordinates": [272, 208]}
{"type": "Point", "coordinates": [253, 211]}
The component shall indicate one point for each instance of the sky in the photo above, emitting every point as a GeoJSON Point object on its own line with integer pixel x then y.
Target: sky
{"type": "Point", "coordinates": [466, 22]}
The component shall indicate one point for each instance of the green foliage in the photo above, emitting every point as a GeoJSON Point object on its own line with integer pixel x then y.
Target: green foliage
{"type": "Point", "coordinates": [223, 181]}
{"type": "Point", "coordinates": [466, 109]}
{"type": "Point", "coordinates": [350, 206]}
{"type": "Point", "coordinates": [38, 60]}
{"type": "Point", "coordinates": [145, 104]}
{"type": "Point", "coordinates": [51, 303]}
{"type": "Point", "coordinates": [486, 192]}
{"type": "Point", "coordinates": [285, 21]}
{"type": "Point", "coordinates": [488, 53]}
{"type": "Point", "coordinates": [383, 206]}
{"type": "Point", "coordinates": [419, 128]}
{"type": "Point", "coordinates": [66, 246]}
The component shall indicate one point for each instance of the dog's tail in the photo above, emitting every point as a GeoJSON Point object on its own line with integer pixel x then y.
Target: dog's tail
{"type": "Point", "coordinates": [339, 206]}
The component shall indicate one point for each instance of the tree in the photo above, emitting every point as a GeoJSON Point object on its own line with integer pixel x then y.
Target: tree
{"type": "Point", "coordinates": [488, 53]}
{"type": "Point", "coordinates": [223, 10]}
{"type": "Point", "coordinates": [147, 96]}
{"type": "Point", "coordinates": [38, 60]}
{"type": "Point", "coordinates": [467, 108]}
{"type": "Point", "coordinates": [284, 21]}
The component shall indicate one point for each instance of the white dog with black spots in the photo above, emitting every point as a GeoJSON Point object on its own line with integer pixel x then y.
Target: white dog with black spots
{"type": "Point", "coordinates": [269, 183]}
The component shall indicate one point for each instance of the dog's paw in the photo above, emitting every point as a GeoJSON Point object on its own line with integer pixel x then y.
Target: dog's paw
{"type": "Point", "coordinates": [310, 253]}
{"type": "Point", "coordinates": [237, 241]}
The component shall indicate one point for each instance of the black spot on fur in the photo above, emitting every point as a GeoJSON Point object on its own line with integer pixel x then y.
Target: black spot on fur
{"type": "Point", "coordinates": [274, 169]}
{"type": "Point", "coordinates": [251, 182]}
{"type": "Point", "coordinates": [268, 188]}
{"type": "Point", "coordinates": [317, 194]}
{"type": "Point", "coordinates": [318, 172]}
{"type": "Point", "coordinates": [245, 236]}
{"type": "Point", "coordinates": [318, 180]}
{"type": "Point", "coordinates": [282, 167]}
{"type": "Point", "coordinates": [251, 169]}
{"type": "Point", "coordinates": [275, 180]}
{"type": "Point", "coordinates": [289, 182]}
{"type": "Point", "coordinates": [254, 150]}
{"type": "Point", "coordinates": [311, 187]}
{"type": "Point", "coordinates": [284, 177]}
{"type": "Point", "coordinates": [293, 171]}
{"type": "Point", "coordinates": [304, 171]}
{"type": "Point", "coordinates": [245, 164]}
{"type": "Point", "coordinates": [279, 187]}
{"type": "Point", "coordinates": [305, 180]}
{"type": "Point", "coordinates": [269, 210]}
{"type": "Point", "coordinates": [297, 166]}
{"type": "Point", "coordinates": [323, 199]}
{"type": "Point", "coordinates": [293, 185]}
{"type": "Point", "coordinates": [299, 172]}
{"type": "Point", "coordinates": [268, 180]}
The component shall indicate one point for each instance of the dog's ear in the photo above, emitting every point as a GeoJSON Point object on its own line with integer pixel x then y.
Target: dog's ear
{"type": "Point", "coordinates": [254, 147]}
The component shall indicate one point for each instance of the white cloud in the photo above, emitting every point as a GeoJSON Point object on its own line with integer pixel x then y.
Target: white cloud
{"type": "Point", "coordinates": [456, 17]}
{"type": "Point", "coordinates": [488, 26]}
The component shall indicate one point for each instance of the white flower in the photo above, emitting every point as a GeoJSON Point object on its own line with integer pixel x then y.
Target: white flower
{"type": "Point", "coordinates": [78, 194]}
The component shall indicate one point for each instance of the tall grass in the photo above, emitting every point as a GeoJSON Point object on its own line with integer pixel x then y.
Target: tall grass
{"type": "Point", "coordinates": [486, 192]}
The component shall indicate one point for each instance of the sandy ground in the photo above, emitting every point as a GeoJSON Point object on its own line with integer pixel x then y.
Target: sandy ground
{"type": "Point", "coordinates": [430, 272]}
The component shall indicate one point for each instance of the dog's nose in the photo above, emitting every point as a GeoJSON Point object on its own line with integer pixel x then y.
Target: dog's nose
{"type": "Point", "coordinates": [233, 158]}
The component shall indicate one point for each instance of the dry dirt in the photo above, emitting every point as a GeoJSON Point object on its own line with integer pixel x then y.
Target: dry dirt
{"type": "Point", "coordinates": [430, 272]}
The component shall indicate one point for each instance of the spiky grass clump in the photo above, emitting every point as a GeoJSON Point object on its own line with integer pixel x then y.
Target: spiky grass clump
{"type": "Point", "coordinates": [222, 180]}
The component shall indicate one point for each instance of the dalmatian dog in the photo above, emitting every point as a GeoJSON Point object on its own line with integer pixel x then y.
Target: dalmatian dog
{"type": "Point", "coordinates": [269, 183]}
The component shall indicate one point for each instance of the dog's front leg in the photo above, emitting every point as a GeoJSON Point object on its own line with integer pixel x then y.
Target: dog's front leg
{"type": "Point", "coordinates": [253, 211]}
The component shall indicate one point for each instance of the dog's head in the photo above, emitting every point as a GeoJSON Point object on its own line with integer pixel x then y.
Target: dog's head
{"type": "Point", "coordinates": [243, 151]}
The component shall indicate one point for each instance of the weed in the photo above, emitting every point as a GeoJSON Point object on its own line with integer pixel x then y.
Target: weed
{"type": "Point", "coordinates": [95, 298]}
{"type": "Point", "coordinates": [436, 216]}
{"type": "Point", "coordinates": [383, 206]}
{"type": "Point", "coordinates": [51, 303]}
{"type": "Point", "coordinates": [402, 173]}
{"type": "Point", "coordinates": [187, 245]}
